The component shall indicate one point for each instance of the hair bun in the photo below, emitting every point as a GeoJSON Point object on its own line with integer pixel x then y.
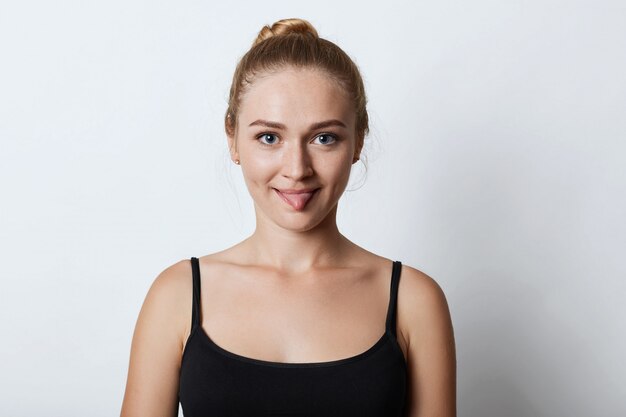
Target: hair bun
{"type": "Point", "coordinates": [286, 27]}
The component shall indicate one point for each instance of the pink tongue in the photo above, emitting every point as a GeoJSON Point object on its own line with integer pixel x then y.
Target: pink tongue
{"type": "Point", "coordinates": [297, 201]}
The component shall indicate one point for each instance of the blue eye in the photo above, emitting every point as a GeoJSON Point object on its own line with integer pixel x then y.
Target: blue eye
{"type": "Point", "coordinates": [264, 135]}
{"type": "Point", "coordinates": [328, 138]}
{"type": "Point", "coordinates": [328, 135]}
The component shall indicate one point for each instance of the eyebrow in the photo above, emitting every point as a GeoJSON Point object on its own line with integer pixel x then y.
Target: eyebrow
{"type": "Point", "coordinates": [319, 125]}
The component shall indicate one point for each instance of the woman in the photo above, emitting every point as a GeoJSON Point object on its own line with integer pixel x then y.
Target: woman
{"type": "Point", "coordinates": [288, 322]}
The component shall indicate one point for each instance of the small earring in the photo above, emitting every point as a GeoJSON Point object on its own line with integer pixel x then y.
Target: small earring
{"type": "Point", "coordinates": [237, 161]}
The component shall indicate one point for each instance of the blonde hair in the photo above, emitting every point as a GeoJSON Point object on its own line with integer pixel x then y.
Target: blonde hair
{"type": "Point", "coordinates": [295, 42]}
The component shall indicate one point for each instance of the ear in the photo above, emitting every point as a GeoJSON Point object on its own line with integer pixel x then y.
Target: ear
{"type": "Point", "coordinates": [231, 135]}
{"type": "Point", "coordinates": [232, 147]}
{"type": "Point", "coordinates": [360, 138]}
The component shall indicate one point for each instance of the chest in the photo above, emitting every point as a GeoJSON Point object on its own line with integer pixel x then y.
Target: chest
{"type": "Point", "coordinates": [295, 350]}
{"type": "Point", "coordinates": [279, 320]}
{"type": "Point", "coordinates": [216, 382]}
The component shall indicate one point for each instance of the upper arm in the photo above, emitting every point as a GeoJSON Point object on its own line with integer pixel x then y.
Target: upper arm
{"type": "Point", "coordinates": [156, 349]}
{"type": "Point", "coordinates": [427, 328]}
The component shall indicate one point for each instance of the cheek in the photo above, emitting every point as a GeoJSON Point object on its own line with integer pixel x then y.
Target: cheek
{"type": "Point", "coordinates": [336, 176]}
{"type": "Point", "coordinates": [335, 166]}
{"type": "Point", "coordinates": [258, 168]}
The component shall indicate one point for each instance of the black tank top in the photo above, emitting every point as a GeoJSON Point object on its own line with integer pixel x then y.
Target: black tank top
{"type": "Point", "coordinates": [217, 383]}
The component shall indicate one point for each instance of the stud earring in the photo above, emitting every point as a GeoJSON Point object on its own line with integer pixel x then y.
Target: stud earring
{"type": "Point", "coordinates": [237, 161]}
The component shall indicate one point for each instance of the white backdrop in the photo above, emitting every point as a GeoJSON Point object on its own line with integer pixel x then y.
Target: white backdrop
{"type": "Point", "coordinates": [496, 166]}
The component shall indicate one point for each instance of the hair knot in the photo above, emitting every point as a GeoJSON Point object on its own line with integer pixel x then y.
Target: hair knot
{"type": "Point", "coordinates": [285, 27]}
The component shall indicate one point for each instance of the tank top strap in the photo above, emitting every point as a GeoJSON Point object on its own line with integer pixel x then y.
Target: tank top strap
{"type": "Point", "coordinates": [390, 324]}
{"type": "Point", "coordinates": [195, 312]}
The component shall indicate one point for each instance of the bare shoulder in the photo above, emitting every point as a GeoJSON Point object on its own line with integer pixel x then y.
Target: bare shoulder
{"type": "Point", "coordinates": [171, 293]}
{"type": "Point", "coordinates": [422, 304]}
{"type": "Point", "coordinates": [424, 322]}
{"type": "Point", "coordinates": [175, 278]}
{"type": "Point", "coordinates": [167, 305]}
{"type": "Point", "coordinates": [423, 290]}
{"type": "Point", "coordinates": [156, 349]}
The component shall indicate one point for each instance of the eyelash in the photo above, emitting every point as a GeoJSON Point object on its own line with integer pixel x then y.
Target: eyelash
{"type": "Point", "coordinates": [335, 137]}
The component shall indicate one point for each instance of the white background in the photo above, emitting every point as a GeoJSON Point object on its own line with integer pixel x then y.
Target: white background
{"type": "Point", "coordinates": [496, 166]}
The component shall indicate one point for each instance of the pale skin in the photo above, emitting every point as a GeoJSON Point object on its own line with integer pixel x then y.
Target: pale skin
{"type": "Point", "coordinates": [310, 294]}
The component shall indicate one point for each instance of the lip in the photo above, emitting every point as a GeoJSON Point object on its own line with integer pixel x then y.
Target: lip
{"type": "Point", "coordinates": [292, 191]}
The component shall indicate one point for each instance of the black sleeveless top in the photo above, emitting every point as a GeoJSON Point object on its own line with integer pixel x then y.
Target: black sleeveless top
{"type": "Point", "coordinates": [217, 383]}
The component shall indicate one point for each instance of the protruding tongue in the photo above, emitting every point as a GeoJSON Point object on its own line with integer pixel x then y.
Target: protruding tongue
{"type": "Point", "coordinates": [297, 201]}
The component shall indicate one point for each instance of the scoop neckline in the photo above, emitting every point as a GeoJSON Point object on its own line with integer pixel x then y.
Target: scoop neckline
{"type": "Point", "coordinates": [245, 359]}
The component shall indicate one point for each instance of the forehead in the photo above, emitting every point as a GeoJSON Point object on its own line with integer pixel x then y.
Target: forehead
{"type": "Point", "coordinates": [295, 95]}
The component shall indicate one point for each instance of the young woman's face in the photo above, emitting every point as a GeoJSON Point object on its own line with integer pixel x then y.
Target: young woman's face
{"type": "Point", "coordinates": [295, 131]}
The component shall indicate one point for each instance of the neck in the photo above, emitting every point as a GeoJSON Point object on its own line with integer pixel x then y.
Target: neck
{"type": "Point", "coordinates": [297, 251]}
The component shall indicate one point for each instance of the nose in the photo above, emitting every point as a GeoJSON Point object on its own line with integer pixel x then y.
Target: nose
{"type": "Point", "coordinates": [296, 161]}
